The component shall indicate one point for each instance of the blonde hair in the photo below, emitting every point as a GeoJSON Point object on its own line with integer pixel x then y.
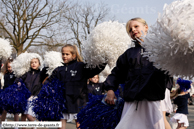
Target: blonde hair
{"type": "Point", "coordinates": [74, 51]}
{"type": "Point", "coordinates": [175, 93]}
{"type": "Point", "coordinates": [135, 19]}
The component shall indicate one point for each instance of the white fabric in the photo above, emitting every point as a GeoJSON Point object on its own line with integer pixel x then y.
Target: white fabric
{"type": "Point", "coordinates": [52, 60]}
{"type": "Point", "coordinates": [106, 42]}
{"type": "Point", "coordinates": [191, 90]}
{"type": "Point", "coordinates": [6, 48]}
{"type": "Point", "coordinates": [166, 102]}
{"type": "Point", "coordinates": [169, 42]}
{"type": "Point", "coordinates": [21, 64]}
{"type": "Point", "coordinates": [147, 116]}
{"type": "Point", "coordinates": [2, 80]}
{"type": "Point", "coordinates": [29, 106]}
{"type": "Point", "coordinates": [182, 118]}
{"type": "Point", "coordinates": [69, 117]}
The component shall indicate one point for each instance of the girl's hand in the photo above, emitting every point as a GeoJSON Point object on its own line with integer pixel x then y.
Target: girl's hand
{"type": "Point", "coordinates": [19, 84]}
{"type": "Point", "coordinates": [110, 97]}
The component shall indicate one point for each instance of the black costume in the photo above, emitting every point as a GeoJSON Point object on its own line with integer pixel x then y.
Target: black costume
{"type": "Point", "coordinates": [33, 80]}
{"type": "Point", "coordinates": [95, 88]}
{"type": "Point", "coordinates": [74, 75]}
{"type": "Point", "coordinates": [142, 80]}
{"type": "Point", "coordinates": [9, 79]}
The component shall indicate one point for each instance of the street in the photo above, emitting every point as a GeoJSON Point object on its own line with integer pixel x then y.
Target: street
{"type": "Point", "coordinates": [71, 125]}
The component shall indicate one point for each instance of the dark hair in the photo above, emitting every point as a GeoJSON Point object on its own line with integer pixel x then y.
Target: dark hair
{"type": "Point", "coordinates": [94, 76]}
{"type": "Point", "coordinates": [6, 64]}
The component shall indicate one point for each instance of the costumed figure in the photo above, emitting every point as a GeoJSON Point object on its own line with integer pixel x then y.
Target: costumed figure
{"type": "Point", "coordinates": [9, 79]}
{"type": "Point", "coordinates": [27, 68]}
{"type": "Point", "coordinates": [5, 53]}
{"type": "Point", "coordinates": [180, 120]}
{"type": "Point", "coordinates": [106, 42]}
{"type": "Point", "coordinates": [145, 85]}
{"type": "Point", "coordinates": [50, 102]}
{"type": "Point", "coordinates": [73, 74]}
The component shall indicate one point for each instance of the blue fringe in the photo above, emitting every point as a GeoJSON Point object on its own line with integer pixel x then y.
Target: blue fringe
{"type": "Point", "coordinates": [50, 102]}
{"type": "Point", "coordinates": [97, 115]}
{"type": "Point", "coordinates": [1, 107]}
{"type": "Point", "coordinates": [184, 84]}
{"type": "Point", "coordinates": [14, 98]}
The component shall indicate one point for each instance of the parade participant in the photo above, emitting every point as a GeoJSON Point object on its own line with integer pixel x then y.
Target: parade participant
{"type": "Point", "coordinates": [180, 120]}
{"type": "Point", "coordinates": [74, 75]}
{"type": "Point", "coordinates": [144, 84]}
{"type": "Point", "coordinates": [33, 81]}
{"type": "Point", "coordinates": [166, 103]}
{"type": "Point", "coordinates": [9, 79]}
{"type": "Point", "coordinates": [94, 87]}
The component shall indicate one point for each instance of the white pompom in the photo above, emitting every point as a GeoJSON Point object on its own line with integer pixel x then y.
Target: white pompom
{"type": "Point", "coordinates": [21, 64]}
{"type": "Point", "coordinates": [52, 60]}
{"type": "Point", "coordinates": [104, 74]}
{"type": "Point", "coordinates": [170, 41]}
{"type": "Point", "coordinates": [106, 43]}
{"type": "Point", "coordinates": [5, 49]}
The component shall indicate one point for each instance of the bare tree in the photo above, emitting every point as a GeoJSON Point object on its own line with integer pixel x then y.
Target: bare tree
{"type": "Point", "coordinates": [82, 19]}
{"type": "Point", "coordinates": [26, 21]}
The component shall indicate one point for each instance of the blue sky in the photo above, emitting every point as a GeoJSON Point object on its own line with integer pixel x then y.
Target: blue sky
{"type": "Point", "coordinates": [123, 10]}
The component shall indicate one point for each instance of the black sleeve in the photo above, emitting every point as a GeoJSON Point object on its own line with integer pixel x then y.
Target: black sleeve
{"type": "Point", "coordinates": [118, 74]}
{"type": "Point", "coordinates": [188, 95]}
{"type": "Point", "coordinates": [169, 82]}
{"type": "Point", "coordinates": [53, 75]}
{"type": "Point", "coordinates": [44, 74]}
{"type": "Point", "coordinates": [175, 100]}
{"type": "Point", "coordinates": [23, 77]}
{"type": "Point", "coordinates": [102, 87]}
{"type": "Point", "coordinates": [91, 72]}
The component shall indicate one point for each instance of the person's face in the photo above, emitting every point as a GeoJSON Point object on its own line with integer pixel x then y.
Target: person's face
{"type": "Point", "coordinates": [35, 64]}
{"type": "Point", "coordinates": [66, 55]}
{"type": "Point", "coordinates": [136, 28]}
{"type": "Point", "coordinates": [9, 67]}
{"type": "Point", "coordinates": [95, 79]}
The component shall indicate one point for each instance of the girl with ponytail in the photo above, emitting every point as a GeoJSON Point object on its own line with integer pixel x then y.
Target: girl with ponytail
{"type": "Point", "coordinates": [74, 75]}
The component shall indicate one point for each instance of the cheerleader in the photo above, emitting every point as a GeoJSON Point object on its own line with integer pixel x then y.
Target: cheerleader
{"type": "Point", "coordinates": [145, 85]}
{"type": "Point", "coordinates": [33, 80]}
{"type": "Point", "coordinates": [9, 79]}
{"type": "Point", "coordinates": [1, 76]}
{"type": "Point", "coordinates": [5, 53]}
{"type": "Point", "coordinates": [74, 75]}
{"type": "Point", "coordinates": [180, 120]}
{"type": "Point", "coordinates": [94, 87]}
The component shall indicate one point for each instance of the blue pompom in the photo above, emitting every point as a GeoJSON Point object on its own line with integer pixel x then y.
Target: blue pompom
{"type": "Point", "coordinates": [184, 84]}
{"type": "Point", "coordinates": [97, 115]}
{"type": "Point", "coordinates": [50, 102]}
{"type": "Point", "coordinates": [14, 98]}
{"type": "Point", "coordinates": [1, 107]}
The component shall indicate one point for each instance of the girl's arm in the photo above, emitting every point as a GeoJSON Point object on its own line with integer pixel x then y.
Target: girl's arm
{"type": "Point", "coordinates": [23, 77]}
{"type": "Point", "coordinates": [53, 75]}
{"type": "Point", "coordinates": [44, 74]}
{"type": "Point", "coordinates": [118, 74]}
{"type": "Point", "coordinates": [91, 72]}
